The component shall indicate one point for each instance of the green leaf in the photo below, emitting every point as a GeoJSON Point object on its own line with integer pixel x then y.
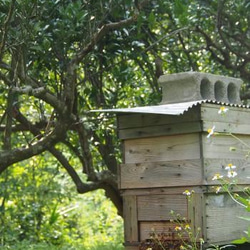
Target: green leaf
{"type": "Point", "coordinates": [240, 241]}
{"type": "Point", "coordinates": [151, 20]}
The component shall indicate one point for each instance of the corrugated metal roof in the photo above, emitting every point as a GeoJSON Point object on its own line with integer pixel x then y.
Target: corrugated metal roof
{"type": "Point", "coordinates": [166, 109]}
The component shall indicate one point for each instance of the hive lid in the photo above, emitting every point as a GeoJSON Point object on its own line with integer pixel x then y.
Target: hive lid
{"type": "Point", "coordinates": [167, 109]}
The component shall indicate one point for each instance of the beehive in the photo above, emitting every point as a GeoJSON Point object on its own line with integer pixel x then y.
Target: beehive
{"type": "Point", "coordinates": [166, 151]}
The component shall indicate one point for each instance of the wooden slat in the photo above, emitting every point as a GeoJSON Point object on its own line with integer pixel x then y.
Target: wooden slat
{"type": "Point", "coordinates": [223, 224]}
{"type": "Point", "coordinates": [218, 146]}
{"type": "Point", "coordinates": [213, 166]}
{"type": "Point", "coordinates": [161, 174]}
{"type": "Point", "coordinates": [158, 207]}
{"type": "Point", "coordinates": [236, 120]}
{"type": "Point", "coordinates": [167, 129]}
{"type": "Point", "coordinates": [130, 219]}
{"type": "Point", "coordinates": [235, 115]}
{"type": "Point", "coordinates": [126, 121]}
{"type": "Point", "coordinates": [222, 127]}
{"type": "Point", "coordinates": [164, 190]}
{"type": "Point", "coordinates": [131, 248]}
{"type": "Point", "coordinates": [165, 148]}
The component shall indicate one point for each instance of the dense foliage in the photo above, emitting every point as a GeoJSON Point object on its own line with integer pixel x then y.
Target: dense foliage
{"type": "Point", "coordinates": [60, 59]}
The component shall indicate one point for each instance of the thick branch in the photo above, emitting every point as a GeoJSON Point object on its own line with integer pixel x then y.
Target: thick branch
{"type": "Point", "coordinates": [10, 157]}
{"type": "Point", "coordinates": [81, 187]}
{"type": "Point", "coordinates": [8, 127]}
{"type": "Point", "coordinates": [87, 157]}
{"type": "Point", "coordinates": [211, 45]}
{"type": "Point", "coordinates": [42, 93]}
{"type": "Point", "coordinates": [5, 79]}
{"type": "Point", "coordinates": [99, 35]}
{"type": "Point", "coordinates": [5, 28]}
{"type": "Point", "coordinates": [33, 88]}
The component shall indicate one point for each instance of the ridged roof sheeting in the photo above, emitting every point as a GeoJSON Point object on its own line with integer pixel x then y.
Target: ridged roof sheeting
{"type": "Point", "coordinates": [166, 109]}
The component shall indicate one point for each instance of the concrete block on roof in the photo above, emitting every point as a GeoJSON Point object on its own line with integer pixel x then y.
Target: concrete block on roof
{"type": "Point", "coordinates": [193, 86]}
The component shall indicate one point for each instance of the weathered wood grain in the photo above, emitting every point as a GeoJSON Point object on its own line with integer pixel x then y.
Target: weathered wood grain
{"type": "Point", "coordinates": [197, 215]}
{"type": "Point", "coordinates": [236, 120]}
{"type": "Point", "coordinates": [165, 148]}
{"type": "Point", "coordinates": [126, 121]}
{"type": "Point", "coordinates": [166, 129]}
{"type": "Point", "coordinates": [218, 146]}
{"type": "Point", "coordinates": [223, 224]}
{"type": "Point", "coordinates": [164, 190]}
{"type": "Point", "coordinates": [131, 248]}
{"type": "Point", "coordinates": [130, 218]}
{"type": "Point", "coordinates": [224, 127]}
{"type": "Point", "coordinates": [217, 165]}
{"type": "Point", "coordinates": [236, 115]}
{"type": "Point", "coordinates": [158, 207]}
{"type": "Point", "coordinates": [161, 174]}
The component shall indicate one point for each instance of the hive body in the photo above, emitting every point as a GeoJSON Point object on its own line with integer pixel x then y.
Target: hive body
{"type": "Point", "coordinates": [165, 155]}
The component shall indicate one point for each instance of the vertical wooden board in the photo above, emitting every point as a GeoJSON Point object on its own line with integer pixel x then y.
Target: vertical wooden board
{"type": "Point", "coordinates": [214, 166]}
{"type": "Point", "coordinates": [158, 207]}
{"type": "Point", "coordinates": [164, 148]}
{"type": "Point", "coordinates": [119, 176]}
{"type": "Point", "coordinates": [219, 146]}
{"type": "Point", "coordinates": [223, 222]}
{"type": "Point", "coordinates": [161, 174]}
{"type": "Point", "coordinates": [130, 218]}
{"type": "Point", "coordinates": [197, 215]}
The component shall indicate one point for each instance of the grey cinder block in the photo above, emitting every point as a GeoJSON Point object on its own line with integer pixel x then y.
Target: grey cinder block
{"type": "Point", "coordinates": [192, 86]}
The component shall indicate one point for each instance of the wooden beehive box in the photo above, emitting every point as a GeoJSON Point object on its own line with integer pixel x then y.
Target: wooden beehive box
{"type": "Point", "coordinates": [166, 151]}
{"type": "Point", "coordinates": [165, 155]}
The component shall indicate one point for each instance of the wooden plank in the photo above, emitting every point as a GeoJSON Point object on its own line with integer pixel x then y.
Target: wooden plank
{"type": "Point", "coordinates": [119, 176]}
{"type": "Point", "coordinates": [166, 190]}
{"type": "Point", "coordinates": [219, 146]}
{"type": "Point", "coordinates": [236, 120]}
{"type": "Point", "coordinates": [161, 174]}
{"type": "Point", "coordinates": [131, 247]}
{"type": "Point", "coordinates": [165, 148]}
{"type": "Point", "coordinates": [166, 129]}
{"type": "Point", "coordinates": [146, 120]}
{"type": "Point", "coordinates": [234, 115]}
{"type": "Point", "coordinates": [223, 224]}
{"type": "Point", "coordinates": [214, 166]}
{"type": "Point", "coordinates": [147, 229]}
{"type": "Point", "coordinates": [226, 127]}
{"type": "Point", "coordinates": [158, 207]}
{"type": "Point", "coordinates": [130, 219]}
{"type": "Point", "coordinates": [197, 215]}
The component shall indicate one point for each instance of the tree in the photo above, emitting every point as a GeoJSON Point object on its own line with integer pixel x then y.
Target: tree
{"type": "Point", "coordinates": [60, 59]}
